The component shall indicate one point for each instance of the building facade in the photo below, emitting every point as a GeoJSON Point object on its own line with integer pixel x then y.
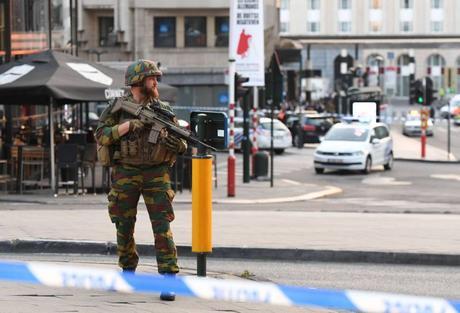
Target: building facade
{"type": "Point", "coordinates": [188, 38]}
{"type": "Point", "coordinates": [381, 36]}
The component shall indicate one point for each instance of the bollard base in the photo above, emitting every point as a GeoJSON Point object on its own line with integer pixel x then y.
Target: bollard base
{"type": "Point", "coordinates": [201, 264]}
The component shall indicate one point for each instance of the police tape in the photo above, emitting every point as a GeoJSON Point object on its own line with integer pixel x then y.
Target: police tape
{"type": "Point", "coordinates": [218, 289]}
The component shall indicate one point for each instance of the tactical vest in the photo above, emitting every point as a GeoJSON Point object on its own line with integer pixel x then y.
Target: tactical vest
{"type": "Point", "coordinates": [136, 150]}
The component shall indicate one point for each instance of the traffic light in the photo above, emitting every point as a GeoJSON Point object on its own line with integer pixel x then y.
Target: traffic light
{"type": "Point", "coordinates": [430, 92]}
{"type": "Point", "coordinates": [416, 92]}
{"type": "Point", "coordinates": [240, 90]}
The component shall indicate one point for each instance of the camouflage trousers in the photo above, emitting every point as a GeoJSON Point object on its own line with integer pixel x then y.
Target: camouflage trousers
{"type": "Point", "coordinates": [153, 182]}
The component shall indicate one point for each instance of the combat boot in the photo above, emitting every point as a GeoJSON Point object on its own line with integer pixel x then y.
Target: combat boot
{"type": "Point", "coordinates": [168, 295]}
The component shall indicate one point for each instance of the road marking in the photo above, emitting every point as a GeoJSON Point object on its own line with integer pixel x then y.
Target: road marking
{"type": "Point", "coordinates": [292, 182]}
{"type": "Point", "coordinates": [385, 181]}
{"type": "Point", "coordinates": [446, 176]}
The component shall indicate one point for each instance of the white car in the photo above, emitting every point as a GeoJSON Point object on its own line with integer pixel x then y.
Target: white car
{"type": "Point", "coordinates": [355, 146]}
{"type": "Point", "coordinates": [282, 138]}
{"type": "Point", "coordinates": [413, 126]}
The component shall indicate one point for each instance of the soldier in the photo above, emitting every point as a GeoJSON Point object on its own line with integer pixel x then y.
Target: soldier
{"type": "Point", "coordinates": [139, 167]}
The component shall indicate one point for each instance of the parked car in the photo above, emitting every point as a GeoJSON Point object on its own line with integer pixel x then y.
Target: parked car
{"type": "Point", "coordinates": [454, 105]}
{"type": "Point", "coordinates": [413, 125]}
{"type": "Point", "coordinates": [309, 128]}
{"type": "Point", "coordinates": [282, 135]}
{"type": "Point", "coordinates": [355, 146]}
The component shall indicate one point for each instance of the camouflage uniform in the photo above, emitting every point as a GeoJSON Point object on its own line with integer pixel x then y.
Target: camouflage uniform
{"type": "Point", "coordinates": [129, 181]}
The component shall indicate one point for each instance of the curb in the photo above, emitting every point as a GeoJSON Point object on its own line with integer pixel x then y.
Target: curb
{"type": "Point", "coordinates": [428, 161]}
{"type": "Point", "coordinates": [327, 256]}
{"type": "Point", "coordinates": [327, 191]}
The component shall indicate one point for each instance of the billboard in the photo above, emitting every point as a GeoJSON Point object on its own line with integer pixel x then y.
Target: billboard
{"type": "Point", "coordinates": [247, 39]}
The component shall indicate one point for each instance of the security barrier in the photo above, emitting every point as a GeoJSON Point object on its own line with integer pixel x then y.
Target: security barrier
{"type": "Point", "coordinates": [219, 289]}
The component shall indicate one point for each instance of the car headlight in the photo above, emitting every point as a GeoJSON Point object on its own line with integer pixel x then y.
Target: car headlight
{"type": "Point", "coordinates": [357, 153]}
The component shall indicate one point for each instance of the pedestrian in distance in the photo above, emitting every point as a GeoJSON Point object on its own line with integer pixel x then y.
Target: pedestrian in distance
{"type": "Point", "coordinates": [139, 167]}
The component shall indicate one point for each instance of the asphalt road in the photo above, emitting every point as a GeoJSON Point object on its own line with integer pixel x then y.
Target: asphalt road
{"type": "Point", "coordinates": [408, 187]}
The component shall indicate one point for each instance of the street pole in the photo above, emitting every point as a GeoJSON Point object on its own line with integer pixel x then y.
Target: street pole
{"type": "Point", "coordinates": [422, 121]}
{"type": "Point", "coordinates": [50, 25]}
{"type": "Point", "coordinates": [255, 120]}
{"type": "Point", "coordinates": [246, 140]}
{"type": "Point", "coordinates": [231, 113]}
{"type": "Point", "coordinates": [448, 130]}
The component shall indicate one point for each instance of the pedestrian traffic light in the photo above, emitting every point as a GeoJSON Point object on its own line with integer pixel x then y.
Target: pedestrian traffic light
{"type": "Point", "coordinates": [430, 92]}
{"type": "Point", "coordinates": [240, 90]}
{"type": "Point", "coordinates": [416, 92]}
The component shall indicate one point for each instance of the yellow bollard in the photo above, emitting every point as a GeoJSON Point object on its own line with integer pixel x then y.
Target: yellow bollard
{"type": "Point", "coordinates": [202, 204]}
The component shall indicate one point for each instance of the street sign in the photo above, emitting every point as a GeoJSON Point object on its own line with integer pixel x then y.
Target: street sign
{"type": "Point", "coordinates": [247, 39]}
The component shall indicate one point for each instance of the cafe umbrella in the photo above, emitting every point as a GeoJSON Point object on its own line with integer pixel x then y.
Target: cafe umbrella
{"type": "Point", "coordinates": [54, 78]}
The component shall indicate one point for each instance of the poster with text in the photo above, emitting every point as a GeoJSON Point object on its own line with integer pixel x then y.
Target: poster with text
{"type": "Point", "coordinates": [247, 39]}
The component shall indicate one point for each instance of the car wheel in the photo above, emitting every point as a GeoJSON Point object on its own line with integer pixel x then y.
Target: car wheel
{"type": "Point", "coordinates": [319, 170]}
{"type": "Point", "coordinates": [389, 165]}
{"type": "Point", "coordinates": [279, 151]}
{"type": "Point", "coordinates": [298, 141]}
{"type": "Point", "coordinates": [368, 165]}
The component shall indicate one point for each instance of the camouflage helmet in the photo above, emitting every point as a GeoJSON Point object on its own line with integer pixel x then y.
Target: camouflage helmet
{"type": "Point", "coordinates": [137, 71]}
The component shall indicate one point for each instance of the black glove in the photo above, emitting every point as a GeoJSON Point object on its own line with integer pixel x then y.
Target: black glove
{"type": "Point", "coordinates": [174, 144]}
{"type": "Point", "coordinates": [135, 125]}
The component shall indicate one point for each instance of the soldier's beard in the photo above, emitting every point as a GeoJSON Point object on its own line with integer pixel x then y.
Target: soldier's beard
{"type": "Point", "coordinates": [150, 92]}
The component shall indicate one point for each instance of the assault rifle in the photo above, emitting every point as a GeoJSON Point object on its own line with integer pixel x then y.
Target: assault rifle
{"type": "Point", "coordinates": [158, 119]}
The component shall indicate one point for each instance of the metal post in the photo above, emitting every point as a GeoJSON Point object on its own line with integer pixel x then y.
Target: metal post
{"type": "Point", "coordinates": [7, 39]}
{"type": "Point", "coordinates": [201, 200]}
{"type": "Point", "coordinates": [51, 134]}
{"type": "Point", "coordinates": [76, 27]}
{"type": "Point", "coordinates": [50, 25]}
{"type": "Point", "coordinates": [272, 115]}
{"type": "Point", "coordinates": [231, 147]}
{"type": "Point", "coordinates": [246, 140]}
{"type": "Point", "coordinates": [72, 25]}
{"type": "Point", "coordinates": [422, 117]}
{"type": "Point", "coordinates": [448, 130]}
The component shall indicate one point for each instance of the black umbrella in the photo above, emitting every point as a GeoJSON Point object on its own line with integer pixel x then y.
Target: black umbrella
{"type": "Point", "coordinates": [67, 79]}
{"type": "Point", "coordinates": [53, 77]}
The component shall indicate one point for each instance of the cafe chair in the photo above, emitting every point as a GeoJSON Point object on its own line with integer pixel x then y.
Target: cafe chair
{"type": "Point", "coordinates": [68, 157]}
{"type": "Point", "coordinates": [89, 162]}
{"type": "Point", "coordinates": [32, 167]}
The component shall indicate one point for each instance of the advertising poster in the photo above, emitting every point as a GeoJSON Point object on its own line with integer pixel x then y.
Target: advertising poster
{"type": "Point", "coordinates": [247, 39]}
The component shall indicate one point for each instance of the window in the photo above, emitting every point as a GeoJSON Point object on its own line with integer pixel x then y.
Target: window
{"type": "Point", "coordinates": [284, 27]}
{"type": "Point", "coordinates": [313, 27]}
{"type": "Point", "coordinates": [195, 31]}
{"type": "Point", "coordinates": [406, 27]}
{"type": "Point", "coordinates": [57, 14]}
{"type": "Point", "coordinates": [375, 4]}
{"type": "Point", "coordinates": [284, 4]}
{"type": "Point", "coordinates": [381, 132]}
{"type": "Point", "coordinates": [436, 26]}
{"type": "Point", "coordinates": [222, 29]}
{"type": "Point", "coordinates": [164, 32]}
{"type": "Point", "coordinates": [407, 4]}
{"type": "Point", "coordinates": [106, 35]}
{"type": "Point", "coordinates": [344, 4]}
{"type": "Point", "coordinates": [344, 27]}
{"type": "Point", "coordinates": [313, 4]}
{"type": "Point", "coordinates": [436, 4]}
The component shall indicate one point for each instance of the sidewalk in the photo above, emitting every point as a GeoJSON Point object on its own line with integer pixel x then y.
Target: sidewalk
{"type": "Point", "coordinates": [409, 149]}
